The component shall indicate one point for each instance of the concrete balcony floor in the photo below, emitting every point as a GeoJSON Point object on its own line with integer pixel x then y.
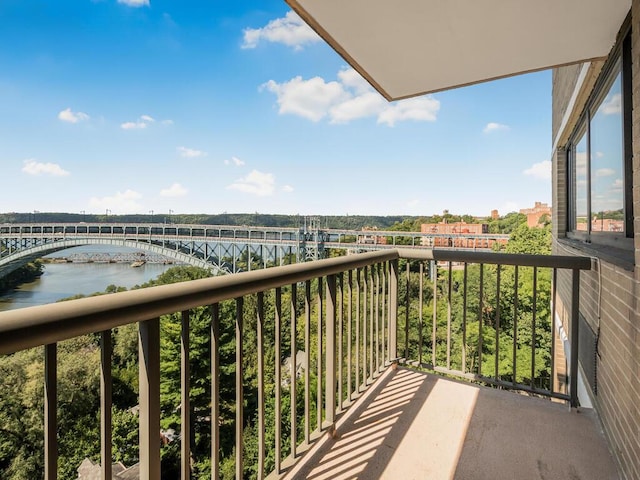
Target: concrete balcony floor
{"type": "Point", "coordinates": [413, 425]}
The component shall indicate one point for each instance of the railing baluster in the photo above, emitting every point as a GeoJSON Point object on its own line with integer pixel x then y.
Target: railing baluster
{"type": "Point", "coordinates": [330, 367]}
{"type": "Point", "coordinates": [552, 374]}
{"type": "Point", "coordinates": [239, 388]}
{"type": "Point", "coordinates": [294, 371]}
{"type": "Point", "coordinates": [384, 314]}
{"type": "Point", "coordinates": [533, 327]}
{"type": "Point", "coordinates": [480, 307]}
{"type": "Point", "coordinates": [376, 301]}
{"type": "Point", "coordinates": [420, 311]}
{"type": "Point", "coordinates": [215, 392]}
{"type": "Point", "coordinates": [464, 319]}
{"type": "Point", "coordinates": [349, 330]}
{"type": "Point", "coordinates": [449, 318]}
{"type": "Point", "coordinates": [106, 389]}
{"type": "Point", "coordinates": [340, 299]}
{"type": "Point", "coordinates": [406, 316]}
{"type": "Point", "coordinates": [50, 412]}
{"type": "Point", "coordinates": [393, 311]}
{"type": "Point", "coordinates": [319, 357]}
{"type": "Point", "coordinates": [185, 406]}
{"type": "Point", "coordinates": [307, 351]}
{"type": "Point", "coordinates": [515, 324]}
{"type": "Point", "coordinates": [278, 379]}
{"type": "Point", "coordinates": [357, 339]}
{"type": "Point", "coordinates": [364, 326]}
{"type": "Point", "coordinates": [149, 368]}
{"type": "Point", "coordinates": [260, 353]}
{"type": "Point", "coordinates": [497, 325]}
{"type": "Point", "coordinates": [575, 335]}
{"type": "Point", "coordinates": [434, 323]}
{"type": "Point", "coordinates": [372, 318]}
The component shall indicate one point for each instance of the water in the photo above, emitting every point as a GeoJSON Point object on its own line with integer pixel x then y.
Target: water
{"type": "Point", "coordinates": [68, 279]}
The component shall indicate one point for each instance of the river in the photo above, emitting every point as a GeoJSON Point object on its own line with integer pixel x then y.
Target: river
{"type": "Point", "coordinates": [63, 280]}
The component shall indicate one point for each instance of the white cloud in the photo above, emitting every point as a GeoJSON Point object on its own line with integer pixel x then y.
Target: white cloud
{"type": "Point", "coordinates": [413, 203]}
{"type": "Point", "coordinates": [612, 105]}
{"type": "Point", "coordinates": [72, 117]}
{"type": "Point", "coordinates": [167, 122]}
{"type": "Point", "coordinates": [175, 190]}
{"type": "Point", "coordinates": [419, 109]}
{"type": "Point", "coordinates": [287, 189]}
{"type": "Point", "coordinates": [599, 154]}
{"type": "Point", "coordinates": [605, 172]}
{"type": "Point", "coordinates": [617, 185]}
{"type": "Point", "coordinates": [540, 171]}
{"type": "Point", "coordinates": [310, 99]}
{"type": "Point", "coordinates": [495, 127]}
{"type": "Point", "coordinates": [121, 202]}
{"type": "Point", "coordinates": [190, 152]}
{"type": "Point", "coordinates": [133, 125]}
{"type": "Point", "coordinates": [135, 3]}
{"type": "Point", "coordinates": [352, 79]}
{"type": "Point", "coordinates": [365, 105]}
{"type": "Point", "coordinates": [289, 30]}
{"type": "Point", "coordinates": [349, 98]}
{"type": "Point", "coordinates": [142, 122]}
{"type": "Point", "coordinates": [33, 167]}
{"type": "Point", "coordinates": [235, 161]}
{"type": "Point", "coordinates": [256, 183]}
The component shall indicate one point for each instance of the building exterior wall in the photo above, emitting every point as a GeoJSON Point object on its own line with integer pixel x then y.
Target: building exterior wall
{"type": "Point", "coordinates": [564, 81]}
{"type": "Point", "coordinates": [454, 228]}
{"type": "Point", "coordinates": [610, 292]}
{"type": "Point", "coordinates": [536, 213]}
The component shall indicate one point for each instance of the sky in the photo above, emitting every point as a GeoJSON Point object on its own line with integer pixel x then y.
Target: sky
{"type": "Point", "coordinates": [133, 106]}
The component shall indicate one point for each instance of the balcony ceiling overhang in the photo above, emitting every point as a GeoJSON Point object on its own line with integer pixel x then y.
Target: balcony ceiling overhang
{"type": "Point", "coordinates": [406, 48]}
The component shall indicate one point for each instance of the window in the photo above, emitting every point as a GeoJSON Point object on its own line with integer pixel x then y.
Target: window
{"type": "Point", "coordinates": [599, 159]}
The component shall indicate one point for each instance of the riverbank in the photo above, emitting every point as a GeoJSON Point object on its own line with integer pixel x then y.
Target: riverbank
{"type": "Point", "coordinates": [29, 273]}
{"type": "Point", "coordinates": [64, 280]}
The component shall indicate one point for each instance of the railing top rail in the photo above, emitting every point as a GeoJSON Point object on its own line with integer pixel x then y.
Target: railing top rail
{"type": "Point", "coordinates": [41, 325]}
{"type": "Point", "coordinates": [522, 260]}
{"type": "Point", "coordinates": [35, 326]}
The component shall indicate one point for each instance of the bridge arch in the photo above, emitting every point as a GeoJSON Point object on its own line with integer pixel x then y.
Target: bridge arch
{"type": "Point", "coordinates": [23, 256]}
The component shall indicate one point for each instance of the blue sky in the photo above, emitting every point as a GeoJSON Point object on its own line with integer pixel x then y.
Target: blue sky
{"type": "Point", "coordinates": [218, 106]}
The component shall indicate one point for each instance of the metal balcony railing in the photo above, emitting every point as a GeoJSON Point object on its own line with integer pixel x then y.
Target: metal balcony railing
{"type": "Point", "coordinates": [340, 322]}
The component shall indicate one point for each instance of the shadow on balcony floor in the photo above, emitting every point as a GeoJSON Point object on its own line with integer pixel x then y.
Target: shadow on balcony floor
{"type": "Point", "coordinates": [413, 425]}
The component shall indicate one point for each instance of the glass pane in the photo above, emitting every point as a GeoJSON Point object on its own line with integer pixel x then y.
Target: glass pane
{"type": "Point", "coordinates": [607, 163]}
{"type": "Point", "coordinates": [580, 185]}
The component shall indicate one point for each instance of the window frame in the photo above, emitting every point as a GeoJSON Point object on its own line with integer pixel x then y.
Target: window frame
{"type": "Point", "coordinates": [618, 63]}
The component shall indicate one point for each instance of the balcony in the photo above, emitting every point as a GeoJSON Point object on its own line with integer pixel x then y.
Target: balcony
{"type": "Point", "coordinates": [377, 338]}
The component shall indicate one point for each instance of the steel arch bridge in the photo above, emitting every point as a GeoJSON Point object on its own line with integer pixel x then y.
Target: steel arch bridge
{"type": "Point", "coordinates": [220, 248]}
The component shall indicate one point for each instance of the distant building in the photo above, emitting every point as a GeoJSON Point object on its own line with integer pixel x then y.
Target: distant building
{"type": "Point", "coordinates": [495, 215]}
{"type": "Point", "coordinates": [536, 213]}
{"type": "Point", "coordinates": [454, 228]}
{"type": "Point", "coordinates": [601, 225]}
{"type": "Point", "coordinates": [372, 238]}
{"type": "Point", "coordinates": [457, 235]}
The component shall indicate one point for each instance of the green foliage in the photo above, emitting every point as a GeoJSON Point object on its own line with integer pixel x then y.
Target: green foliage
{"type": "Point", "coordinates": [21, 415]}
{"type": "Point", "coordinates": [535, 241]}
{"type": "Point", "coordinates": [507, 223]}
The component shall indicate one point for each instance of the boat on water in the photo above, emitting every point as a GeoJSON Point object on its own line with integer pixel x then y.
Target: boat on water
{"type": "Point", "coordinates": [138, 263]}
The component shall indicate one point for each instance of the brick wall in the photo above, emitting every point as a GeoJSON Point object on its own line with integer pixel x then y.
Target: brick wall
{"type": "Point", "coordinates": [609, 294]}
